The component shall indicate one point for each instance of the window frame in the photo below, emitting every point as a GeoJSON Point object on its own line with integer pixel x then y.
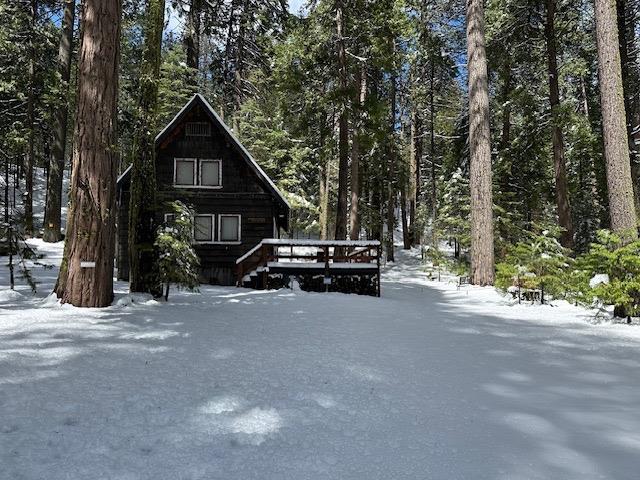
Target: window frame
{"type": "Point", "coordinates": [166, 217]}
{"type": "Point", "coordinates": [213, 229]}
{"type": "Point", "coordinates": [197, 173]}
{"type": "Point", "coordinates": [209, 160]}
{"type": "Point", "coordinates": [194, 161]}
{"type": "Point", "coordinates": [219, 229]}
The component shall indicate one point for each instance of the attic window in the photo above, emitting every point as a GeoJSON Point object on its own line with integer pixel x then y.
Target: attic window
{"type": "Point", "coordinates": [198, 129]}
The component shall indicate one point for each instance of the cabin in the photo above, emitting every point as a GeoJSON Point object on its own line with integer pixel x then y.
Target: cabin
{"type": "Point", "coordinates": [200, 162]}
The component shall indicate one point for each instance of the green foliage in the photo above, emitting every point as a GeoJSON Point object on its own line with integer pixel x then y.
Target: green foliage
{"type": "Point", "coordinates": [453, 215]}
{"type": "Point", "coordinates": [538, 263]}
{"type": "Point", "coordinates": [620, 263]}
{"type": "Point", "coordinates": [175, 86]}
{"type": "Point", "coordinates": [177, 261]}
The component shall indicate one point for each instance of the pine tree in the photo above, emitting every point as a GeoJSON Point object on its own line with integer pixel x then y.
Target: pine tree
{"type": "Point", "coordinates": [616, 149]}
{"type": "Point", "coordinates": [143, 173]}
{"type": "Point", "coordinates": [482, 263]}
{"type": "Point", "coordinates": [52, 215]}
{"type": "Point", "coordinates": [91, 220]}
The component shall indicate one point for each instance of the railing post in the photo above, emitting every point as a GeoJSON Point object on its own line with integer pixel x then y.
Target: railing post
{"type": "Point", "coordinates": [378, 252]}
{"type": "Point", "coordinates": [326, 268]}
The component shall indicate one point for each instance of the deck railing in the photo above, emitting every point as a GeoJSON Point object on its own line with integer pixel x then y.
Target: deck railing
{"type": "Point", "coordinates": [308, 252]}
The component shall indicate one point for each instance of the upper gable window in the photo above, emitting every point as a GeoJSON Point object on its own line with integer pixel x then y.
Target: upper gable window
{"type": "Point", "coordinates": [210, 173]}
{"type": "Point", "coordinates": [184, 171]}
{"type": "Point", "coordinates": [197, 173]}
{"type": "Point", "coordinates": [198, 129]}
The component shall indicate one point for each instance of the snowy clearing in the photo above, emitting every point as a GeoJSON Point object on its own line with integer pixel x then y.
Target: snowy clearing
{"type": "Point", "coordinates": [428, 382]}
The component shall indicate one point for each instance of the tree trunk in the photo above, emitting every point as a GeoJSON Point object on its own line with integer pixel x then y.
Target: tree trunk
{"type": "Point", "coordinates": [432, 148]}
{"type": "Point", "coordinates": [406, 236]}
{"type": "Point", "coordinates": [29, 164]}
{"type": "Point", "coordinates": [416, 156]}
{"type": "Point", "coordinates": [343, 130]}
{"type": "Point", "coordinates": [91, 220]}
{"type": "Point", "coordinates": [191, 38]}
{"type": "Point", "coordinates": [238, 74]}
{"type": "Point", "coordinates": [616, 148]}
{"type": "Point", "coordinates": [559, 166]}
{"type": "Point", "coordinates": [482, 253]}
{"type": "Point", "coordinates": [354, 215]}
{"type": "Point", "coordinates": [391, 180]}
{"type": "Point", "coordinates": [53, 207]}
{"type": "Point", "coordinates": [630, 80]}
{"type": "Point", "coordinates": [142, 206]}
{"type": "Point", "coordinates": [324, 193]}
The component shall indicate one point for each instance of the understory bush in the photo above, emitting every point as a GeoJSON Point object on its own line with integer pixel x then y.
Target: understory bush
{"type": "Point", "coordinates": [540, 263]}
{"type": "Point", "coordinates": [177, 261]}
{"type": "Point", "coordinates": [610, 273]}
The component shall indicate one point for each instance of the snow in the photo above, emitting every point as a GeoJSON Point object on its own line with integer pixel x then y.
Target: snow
{"type": "Point", "coordinates": [599, 279]}
{"type": "Point", "coordinates": [426, 382]}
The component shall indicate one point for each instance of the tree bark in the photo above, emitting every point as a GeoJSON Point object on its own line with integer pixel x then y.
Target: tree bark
{"type": "Point", "coordinates": [53, 207]}
{"type": "Point", "coordinates": [391, 181]}
{"type": "Point", "coordinates": [414, 185]}
{"type": "Point", "coordinates": [559, 165]}
{"type": "Point", "coordinates": [354, 214]}
{"type": "Point", "coordinates": [29, 164]}
{"type": "Point", "coordinates": [406, 236]}
{"type": "Point", "coordinates": [91, 219]}
{"type": "Point", "coordinates": [142, 206]}
{"type": "Point", "coordinates": [191, 39]}
{"type": "Point", "coordinates": [628, 60]}
{"type": "Point", "coordinates": [343, 130]}
{"type": "Point", "coordinates": [616, 147]}
{"type": "Point", "coordinates": [482, 250]}
{"type": "Point", "coordinates": [432, 147]}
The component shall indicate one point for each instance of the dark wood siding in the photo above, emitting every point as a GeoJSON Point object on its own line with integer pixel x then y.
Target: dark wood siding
{"type": "Point", "coordinates": [242, 193]}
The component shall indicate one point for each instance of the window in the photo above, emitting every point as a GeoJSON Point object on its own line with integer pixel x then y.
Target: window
{"type": "Point", "coordinates": [210, 173]}
{"type": "Point", "coordinates": [197, 173]}
{"type": "Point", "coordinates": [184, 171]}
{"type": "Point", "coordinates": [169, 218]}
{"type": "Point", "coordinates": [229, 228]}
{"type": "Point", "coordinates": [203, 228]}
{"type": "Point", "coordinates": [198, 129]}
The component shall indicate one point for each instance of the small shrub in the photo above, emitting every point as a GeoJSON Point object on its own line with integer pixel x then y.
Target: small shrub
{"type": "Point", "coordinates": [177, 260]}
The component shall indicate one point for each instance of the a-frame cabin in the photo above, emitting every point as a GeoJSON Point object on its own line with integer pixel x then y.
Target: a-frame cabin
{"type": "Point", "coordinates": [200, 162]}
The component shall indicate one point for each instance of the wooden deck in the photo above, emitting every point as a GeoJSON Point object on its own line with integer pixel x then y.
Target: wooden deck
{"type": "Point", "coordinates": [328, 265]}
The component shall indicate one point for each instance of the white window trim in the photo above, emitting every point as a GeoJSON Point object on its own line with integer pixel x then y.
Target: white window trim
{"type": "Point", "coordinates": [197, 173]}
{"type": "Point", "coordinates": [209, 160]}
{"type": "Point", "coordinates": [175, 171]}
{"type": "Point", "coordinates": [166, 215]}
{"type": "Point", "coordinates": [233, 242]}
{"type": "Point", "coordinates": [213, 229]}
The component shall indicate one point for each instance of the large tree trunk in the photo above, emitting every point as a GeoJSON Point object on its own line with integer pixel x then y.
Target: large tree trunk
{"type": "Point", "coordinates": [628, 59]}
{"type": "Point", "coordinates": [29, 164]}
{"type": "Point", "coordinates": [343, 131]}
{"type": "Point", "coordinates": [52, 213]}
{"type": "Point", "coordinates": [616, 148]}
{"type": "Point", "coordinates": [91, 220]}
{"type": "Point", "coordinates": [482, 254]}
{"type": "Point", "coordinates": [559, 166]}
{"type": "Point", "coordinates": [142, 206]}
{"type": "Point", "coordinates": [391, 181]}
{"type": "Point", "coordinates": [354, 214]}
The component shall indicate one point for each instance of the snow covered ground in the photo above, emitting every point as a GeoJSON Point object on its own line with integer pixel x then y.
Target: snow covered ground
{"type": "Point", "coordinates": [427, 382]}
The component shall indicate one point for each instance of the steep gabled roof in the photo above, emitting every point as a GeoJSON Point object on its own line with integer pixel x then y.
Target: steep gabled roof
{"type": "Point", "coordinates": [215, 118]}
